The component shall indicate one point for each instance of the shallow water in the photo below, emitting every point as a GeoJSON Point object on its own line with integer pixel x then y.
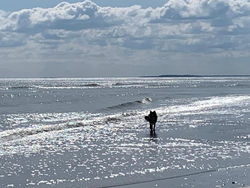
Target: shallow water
{"type": "Point", "coordinates": [92, 132]}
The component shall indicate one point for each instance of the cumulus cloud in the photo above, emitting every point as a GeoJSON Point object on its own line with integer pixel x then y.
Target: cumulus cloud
{"type": "Point", "coordinates": [87, 31]}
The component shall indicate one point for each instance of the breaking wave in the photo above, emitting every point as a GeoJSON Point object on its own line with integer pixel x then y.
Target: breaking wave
{"type": "Point", "coordinates": [20, 133]}
{"type": "Point", "coordinates": [20, 87]}
{"type": "Point", "coordinates": [92, 85]}
{"type": "Point", "coordinates": [93, 120]}
{"type": "Point", "coordinates": [146, 100]}
{"type": "Point", "coordinates": [73, 86]}
{"type": "Point", "coordinates": [210, 103]}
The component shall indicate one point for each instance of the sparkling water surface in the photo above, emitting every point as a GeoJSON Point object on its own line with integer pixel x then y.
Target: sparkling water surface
{"type": "Point", "coordinates": [92, 132]}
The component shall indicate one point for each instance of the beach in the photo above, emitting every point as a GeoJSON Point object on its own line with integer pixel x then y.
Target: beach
{"type": "Point", "coordinates": [92, 132]}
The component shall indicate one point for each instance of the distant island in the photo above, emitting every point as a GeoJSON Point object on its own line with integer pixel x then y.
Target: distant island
{"type": "Point", "coordinates": [194, 75]}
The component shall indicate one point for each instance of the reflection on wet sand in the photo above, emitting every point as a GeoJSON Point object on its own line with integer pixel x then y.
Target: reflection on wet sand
{"type": "Point", "coordinates": [153, 136]}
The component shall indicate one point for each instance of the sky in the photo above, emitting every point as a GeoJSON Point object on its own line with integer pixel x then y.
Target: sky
{"type": "Point", "coordinates": [100, 38]}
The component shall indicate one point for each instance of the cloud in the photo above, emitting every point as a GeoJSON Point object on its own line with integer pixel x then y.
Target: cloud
{"type": "Point", "coordinates": [64, 16]}
{"type": "Point", "coordinates": [92, 33]}
{"type": "Point", "coordinates": [179, 17]}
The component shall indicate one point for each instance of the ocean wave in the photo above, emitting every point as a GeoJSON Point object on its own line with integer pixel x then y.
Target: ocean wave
{"type": "Point", "coordinates": [80, 86]}
{"type": "Point", "coordinates": [19, 87]}
{"type": "Point", "coordinates": [129, 84]}
{"type": "Point", "coordinates": [96, 120]}
{"type": "Point", "coordinates": [92, 85]}
{"type": "Point", "coordinates": [146, 100]}
{"type": "Point", "coordinates": [20, 133]}
{"type": "Point", "coordinates": [215, 104]}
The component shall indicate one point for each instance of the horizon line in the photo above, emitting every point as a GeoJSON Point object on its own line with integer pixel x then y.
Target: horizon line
{"type": "Point", "coordinates": [160, 76]}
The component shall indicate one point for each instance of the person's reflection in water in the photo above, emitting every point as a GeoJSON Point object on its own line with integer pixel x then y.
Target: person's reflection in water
{"type": "Point", "coordinates": [153, 136]}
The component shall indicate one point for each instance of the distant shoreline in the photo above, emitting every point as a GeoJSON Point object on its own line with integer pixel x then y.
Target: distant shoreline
{"type": "Point", "coordinates": [149, 76]}
{"type": "Point", "coordinates": [194, 75]}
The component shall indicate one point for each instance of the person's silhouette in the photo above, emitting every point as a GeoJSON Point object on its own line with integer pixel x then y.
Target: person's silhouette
{"type": "Point", "coordinates": [152, 119]}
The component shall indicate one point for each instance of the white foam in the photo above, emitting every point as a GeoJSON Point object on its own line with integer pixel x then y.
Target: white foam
{"type": "Point", "coordinates": [204, 105]}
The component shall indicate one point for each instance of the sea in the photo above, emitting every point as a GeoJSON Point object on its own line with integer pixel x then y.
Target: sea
{"type": "Point", "coordinates": [91, 132]}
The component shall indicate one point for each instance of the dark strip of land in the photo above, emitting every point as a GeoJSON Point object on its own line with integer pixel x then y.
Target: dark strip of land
{"type": "Point", "coordinates": [194, 75]}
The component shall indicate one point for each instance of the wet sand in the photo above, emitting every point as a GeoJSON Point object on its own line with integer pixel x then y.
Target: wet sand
{"type": "Point", "coordinates": [127, 155]}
